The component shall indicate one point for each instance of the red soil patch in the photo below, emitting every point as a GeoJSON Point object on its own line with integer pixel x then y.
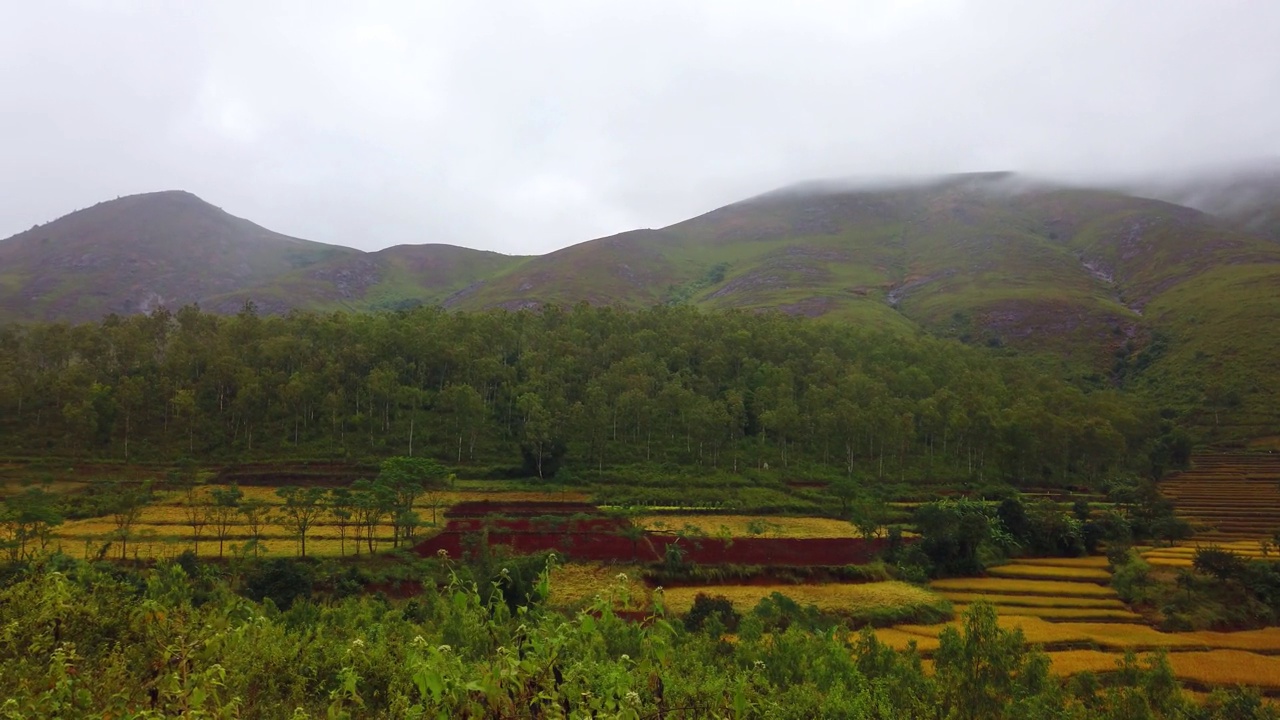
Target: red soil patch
{"type": "Point", "coordinates": [580, 531]}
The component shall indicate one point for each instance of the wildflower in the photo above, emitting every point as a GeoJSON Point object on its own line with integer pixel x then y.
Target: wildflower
{"type": "Point", "coordinates": [444, 649]}
{"type": "Point", "coordinates": [357, 643]}
{"type": "Point", "coordinates": [760, 665]}
{"type": "Point", "coordinates": [625, 658]}
{"type": "Point", "coordinates": [419, 640]}
{"type": "Point", "coordinates": [442, 554]}
{"type": "Point", "coordinates": [622, 577]}
{"type": "Point", "coordinates": [633, 697]}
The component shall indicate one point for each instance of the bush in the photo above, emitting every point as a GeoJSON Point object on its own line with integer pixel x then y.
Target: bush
{"type": "Point", "coordinates": [706, 607]}
{"type": "Point", "coordinates": [283, 581]}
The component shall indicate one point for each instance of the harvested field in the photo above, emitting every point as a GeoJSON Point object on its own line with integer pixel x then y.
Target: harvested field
{"type": "Point", "coordinates": [1016, 586]}
{"type": "Point", "coordinates": [843, 598]}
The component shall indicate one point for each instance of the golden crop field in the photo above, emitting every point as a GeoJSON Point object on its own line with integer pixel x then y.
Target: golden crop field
{"type": "Point", "coordinates": [1227, 667]}
{"type": "Point", "coordinates": [1018, 586]}
{"type": "Point", "coordinates": [1043, 601]}
{"type": "Point", "coordinates": [1064, 613]}
{"type": "Point", "coordinates": [900, 640]}
{"type": "Point", "coordinates": [831, 597]}
{"type": "Point", "coordinates": [1049, 572]}
{"type": "Point", "coordinates": [1071, 662]}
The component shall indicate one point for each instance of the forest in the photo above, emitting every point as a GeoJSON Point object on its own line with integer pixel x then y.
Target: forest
{"type": "Point", "coordinates": [577, 392]}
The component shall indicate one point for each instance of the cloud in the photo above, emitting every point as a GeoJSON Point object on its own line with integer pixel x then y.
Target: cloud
{"type": "Point", "coordinates": [526, 126]}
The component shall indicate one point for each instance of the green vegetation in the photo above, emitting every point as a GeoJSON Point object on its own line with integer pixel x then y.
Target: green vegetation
{"type": "Point", "coordinates": [623, 400]}
{"type": "Point", "coordinates": [85, 640]}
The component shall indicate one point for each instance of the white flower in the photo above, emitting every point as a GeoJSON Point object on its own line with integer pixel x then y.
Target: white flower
{"type": "Point", "coordinates": [357, 643]}
{"type": "Point", "coordinates": [760, 665]}
{"type": "Point", "coordinates": [625, 658]}
{"type": "Point", "coordinates": [622, 577]}
{"type": "Point", "coordinates": [444, 649]}
{"type": "Point", "coordinates": [419, 640]}
{"type": "Point", "coordinates": [633, 697]}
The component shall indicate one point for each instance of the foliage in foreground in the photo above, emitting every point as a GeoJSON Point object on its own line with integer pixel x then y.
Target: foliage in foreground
{"type": "Point", "coordinates": [79, 640]}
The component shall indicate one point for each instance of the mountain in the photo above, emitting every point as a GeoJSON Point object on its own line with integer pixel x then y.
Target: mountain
{"type": "Point", "coordinates": [396, 278]}
{"type": "Point", "coordinates": [1248, 195]}
{"type": "Point", "coordinates": [1128, 289]}
{"type": "Point", "coordinates": [139, 252]}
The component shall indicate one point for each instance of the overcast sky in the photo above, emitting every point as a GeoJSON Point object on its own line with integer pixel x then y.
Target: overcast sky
{"type": "Point", "coordinates": [527, 126]}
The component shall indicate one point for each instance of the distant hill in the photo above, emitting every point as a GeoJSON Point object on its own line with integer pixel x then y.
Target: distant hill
{"type": "Point", "coordinates": [1249, 196]}
{"type": "Point", "coordinates": [1130, 290]}
{"type": "Point", "coordinates": [138, 253]}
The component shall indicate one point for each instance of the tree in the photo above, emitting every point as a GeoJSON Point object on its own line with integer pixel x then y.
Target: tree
{"type": "Point", "coordinates": [196, 511]}
{"type": "Point", "coordinates": [407, 478]}
{"type": "Point", "coordinates": [302, 508]}
{"type": "Point", "coordinates": [28, 518]}
{"type": "Point", "coordinates": [340, 507]}
{"type": "Point", "coordinates": [223, 512]}
{"type": "Point", "coordinates": [126, 505]}
{"type": "Point", "coordinates": [255, 511]}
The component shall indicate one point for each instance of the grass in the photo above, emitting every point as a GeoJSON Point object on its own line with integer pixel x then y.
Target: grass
{"type": "Point", "coordinates": [1122, 636]}
{"type": "Point", "coordinates": [576, 584]}
{"type": "Point", "coordinates": [1018, 586]}
{"type": "Point", "coordinates": [862, 600]}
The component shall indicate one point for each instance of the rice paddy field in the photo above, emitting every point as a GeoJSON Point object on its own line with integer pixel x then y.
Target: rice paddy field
{"type": "Point", "coordinates": [1228, 497]}
{"type": "Point", "coordinates": [1065, 606]}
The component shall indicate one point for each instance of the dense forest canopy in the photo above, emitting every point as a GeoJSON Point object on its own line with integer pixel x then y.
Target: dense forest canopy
{"type": "Point", "coordinates": [584, 388]}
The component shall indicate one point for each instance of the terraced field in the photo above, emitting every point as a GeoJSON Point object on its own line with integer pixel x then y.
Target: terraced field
{"type": "Point", "coordinates": [1066, 606]}
{"type": "Point", "coordinates": [1228, 497]}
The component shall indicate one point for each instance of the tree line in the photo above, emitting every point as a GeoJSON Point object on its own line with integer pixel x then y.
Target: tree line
{"type": "Point", "coordinates": [587, 389]}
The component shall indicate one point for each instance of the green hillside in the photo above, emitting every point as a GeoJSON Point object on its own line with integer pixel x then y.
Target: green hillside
{"type": "Point", "coordinates": [1127, 291]}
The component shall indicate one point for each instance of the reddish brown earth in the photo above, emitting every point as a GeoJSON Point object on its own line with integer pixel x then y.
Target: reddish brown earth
{"type": "Point", "coordinates": [582, 532]}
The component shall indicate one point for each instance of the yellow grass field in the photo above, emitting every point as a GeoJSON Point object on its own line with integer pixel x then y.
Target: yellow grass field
{"type": "Point", "coordinates": [1050, 572]}
{"type": "Point", "coordinates": [831, 597]}
{"type": "Point", "coordinates": [1018, 586]}
{"type": "Point", "coordinates": [573, 584]}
